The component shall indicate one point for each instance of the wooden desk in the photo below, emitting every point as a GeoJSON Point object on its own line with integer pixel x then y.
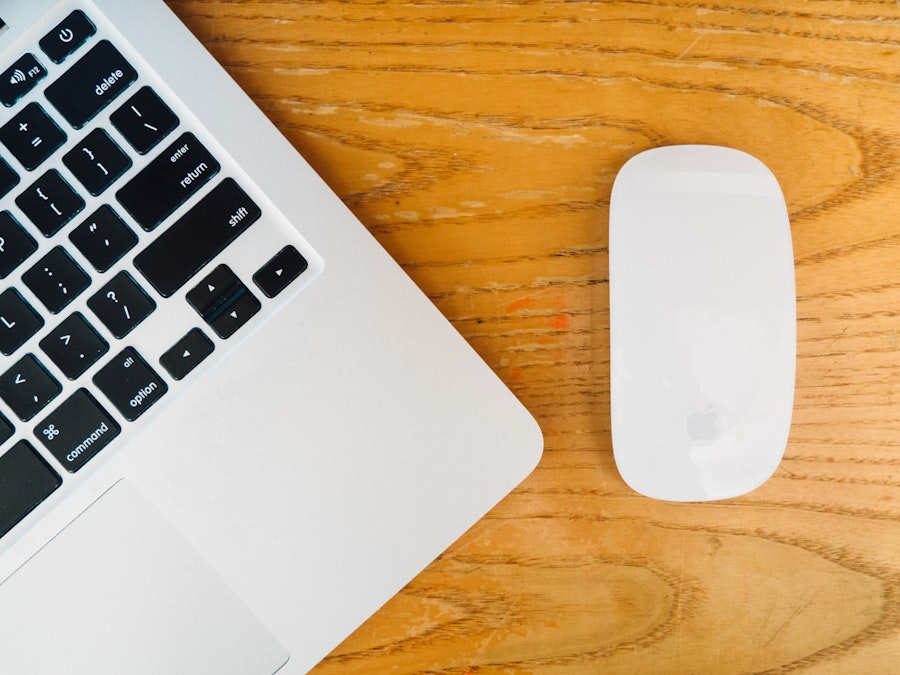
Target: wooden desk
{"type": "Point", "coordinates": [478, 142]}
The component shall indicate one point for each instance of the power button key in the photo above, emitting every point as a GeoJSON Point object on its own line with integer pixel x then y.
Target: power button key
{"type": "Point", "coordinates": [68, 36]}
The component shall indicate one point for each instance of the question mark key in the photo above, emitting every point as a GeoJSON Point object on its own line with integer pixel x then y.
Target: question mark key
{"type": "Point", "coordinates": [121, 290]}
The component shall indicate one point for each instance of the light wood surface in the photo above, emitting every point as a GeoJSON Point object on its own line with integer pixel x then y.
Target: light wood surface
{"type": "Point", "coordinates": [478, 141]}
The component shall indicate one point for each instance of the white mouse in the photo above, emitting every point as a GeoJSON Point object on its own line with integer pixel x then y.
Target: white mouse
{"type": "Point", "coordinates": [702, 323]}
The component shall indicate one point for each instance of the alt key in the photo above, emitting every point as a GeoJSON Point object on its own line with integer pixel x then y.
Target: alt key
{"type": "Point", "coordinates": [130, 384]}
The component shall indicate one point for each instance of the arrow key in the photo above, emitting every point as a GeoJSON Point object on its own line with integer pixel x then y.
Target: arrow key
{"type": "Point", "coordinates": [217, 289]}
{"type": "Point", "coordinates": [223, 301]}
{"type": "Point", "coordinates": [187, 353]}
{"type": "Point", "coordinates": [235, 315]}
{"type": "Point", "coordinates": [275, 275]}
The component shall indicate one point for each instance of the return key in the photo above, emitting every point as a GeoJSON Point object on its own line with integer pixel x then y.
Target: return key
{"type": "Point", "coordinates": [168, 181]}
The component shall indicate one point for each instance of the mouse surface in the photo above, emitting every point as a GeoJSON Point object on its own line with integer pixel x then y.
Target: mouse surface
{"type": "Point", "coordinates": [702, 322]}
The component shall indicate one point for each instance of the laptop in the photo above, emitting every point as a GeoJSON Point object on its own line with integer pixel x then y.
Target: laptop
{"type": "Point", "coordinates": [231, 426]}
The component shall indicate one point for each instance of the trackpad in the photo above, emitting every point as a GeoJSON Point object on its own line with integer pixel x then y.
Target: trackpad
{"type": "Point", "coordinates": [120, 590]}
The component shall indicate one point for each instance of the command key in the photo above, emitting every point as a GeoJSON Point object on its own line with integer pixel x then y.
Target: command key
{"type": "Point", "coordinates": [77, 430]}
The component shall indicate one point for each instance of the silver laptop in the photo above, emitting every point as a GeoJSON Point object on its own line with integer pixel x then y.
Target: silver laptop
{"type": "Point", "coordinates": [231, 427]}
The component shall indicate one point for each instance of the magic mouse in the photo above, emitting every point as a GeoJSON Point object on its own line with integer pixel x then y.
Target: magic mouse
{"type": "Point", "coordinates": [702, 322]}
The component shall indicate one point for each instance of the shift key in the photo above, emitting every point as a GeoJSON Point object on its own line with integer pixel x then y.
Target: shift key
{"type": "Point", "coordinates": [168, 181]}
{"type": "Point", "coordinates": [197, 237]}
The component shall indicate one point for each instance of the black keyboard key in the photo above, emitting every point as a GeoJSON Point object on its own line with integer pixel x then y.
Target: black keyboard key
{"type": "Point", "coordinates": [96, 161]}
{"type": "Point", "coordinates": [6, 429]}
{"type": "Point", "coordinates": [8, 178]}
{"type": "Point", "coordinates": [223, 301]}
{"type": "Point", "coordinates": [26, 481]}
{"type": "Point", "coordinates": [130, 384]}
{"type": "Point", "coordinates": [144, 120]}
{"type": "Point", "coordinates": [18, 321]}
{"type": "Point", "coordinates": [168, 181]}
{"type": "Point", "coordinates": [50, 203]}
{"type": "Point", "coordinates": [31, 136]}
{"type": "Point", "coordinates": [121, 304]}
{"type": "Point", "coordinates": [103, 238]}
{"type": "Point", "coordinates": [235, 315]}
{"type": "Point", "coordinates": [15, 244]}
{"type": "Point", "coordinates": [197, 237]}
{"type": "Point", "coordinates": [74, 346]}
{"type": "Point", "coordinates": [56, 280]}
{"type": "Point", "coordinates": [77, 430]}
{"type": "Point", "coordinates": [27, 387]}
{"type": "Point", "coordinates": [67, 36]}
{"type": "Point", "coordinates": [91, 84]}
{"type": "Point", "coordinates": [20, 78]}
{"type": "Point", "coordinates": [186, 354]}
{"type": "Point", "coordinates": [280, 271]}
{"type": "Point", "coordinates": [217, 290]}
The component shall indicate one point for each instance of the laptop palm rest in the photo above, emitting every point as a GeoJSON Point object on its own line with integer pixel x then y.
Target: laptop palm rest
{"type": "Point", "coordinates": [180, 618]}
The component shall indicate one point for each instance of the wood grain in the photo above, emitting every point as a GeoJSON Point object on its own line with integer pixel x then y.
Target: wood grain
{"type": "Point", "coordinates": [478, 141]}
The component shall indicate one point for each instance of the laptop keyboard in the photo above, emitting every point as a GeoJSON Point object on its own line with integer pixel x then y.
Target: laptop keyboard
{"type": "Point", "coordinates": [118, 222]}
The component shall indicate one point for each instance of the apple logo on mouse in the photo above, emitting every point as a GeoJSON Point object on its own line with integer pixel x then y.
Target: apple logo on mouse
{"type": "Point", "coordinates": [703, 426]}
